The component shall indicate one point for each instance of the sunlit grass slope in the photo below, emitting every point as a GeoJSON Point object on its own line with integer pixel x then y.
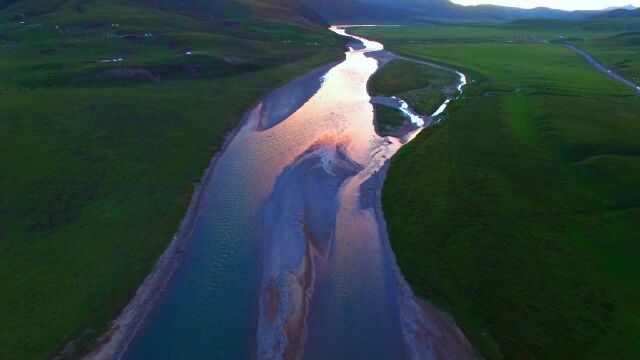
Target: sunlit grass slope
{"type": "Point", "coordinates": [519, 213]}
{"type": "Point", "coordinates": [98, 158]}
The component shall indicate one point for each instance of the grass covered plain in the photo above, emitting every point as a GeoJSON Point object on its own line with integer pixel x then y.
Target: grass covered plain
{"type": "Point", "coordinates": [388, 119]}
{"type": "Point", "coordinates": [620, 52]}
{"type": "Point", "coordinates": [98, 159]}
{"type": "Point", "coordinates": [522, 214]}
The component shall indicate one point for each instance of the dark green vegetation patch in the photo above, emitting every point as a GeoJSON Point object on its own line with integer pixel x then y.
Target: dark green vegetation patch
{"type": "Point", "coordinates": [387, 119]}
{"type": "Point", "coordinates": [423, 87]}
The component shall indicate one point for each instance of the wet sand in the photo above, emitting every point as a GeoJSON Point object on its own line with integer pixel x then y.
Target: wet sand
{"type": "Point", "coordinates": [298, 228]}
{"type": "Point", "coordinates": [280, 103]}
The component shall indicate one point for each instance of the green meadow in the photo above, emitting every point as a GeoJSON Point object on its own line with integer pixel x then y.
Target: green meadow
{"type": "Point", "coordinates": [620, 52]}
{"type": "Point", "coordinates": [522, 211]}
{"type": "Point", "coordinates": [99, 159]}
{"type": "Point", "coordinates": [424, 88]}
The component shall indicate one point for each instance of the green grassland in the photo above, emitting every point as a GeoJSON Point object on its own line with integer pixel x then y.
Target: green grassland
{"type": "Point", "coordinates": [522, 214]}
{"type": "Point", "coordinates": [419, 85]}
{"type": "Point", "coordinates": [614, 42]}
{"type": "Point", "coordinates": [424, 88]}
{"type": "Point", "coordinates": [98, 160]}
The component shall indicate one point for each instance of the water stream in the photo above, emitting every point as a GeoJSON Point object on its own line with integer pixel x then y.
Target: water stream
{"type": "Point", "coordinates": [285, 259]}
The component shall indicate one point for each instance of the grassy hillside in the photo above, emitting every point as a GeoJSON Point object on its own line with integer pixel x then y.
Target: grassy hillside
{"type": "Point", "coordinates": [109, 113]}
{"type": "Point", "coordinates": [522, 214]}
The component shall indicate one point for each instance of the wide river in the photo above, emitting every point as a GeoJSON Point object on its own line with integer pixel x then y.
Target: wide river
{"type": "Point", "coordinates": [287, 257]}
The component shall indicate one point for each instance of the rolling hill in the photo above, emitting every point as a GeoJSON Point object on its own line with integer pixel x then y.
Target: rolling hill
{"type": "Point", "coordinates": [421, 10]}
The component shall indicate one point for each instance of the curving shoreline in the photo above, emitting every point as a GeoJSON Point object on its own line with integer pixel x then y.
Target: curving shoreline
{"type": "Point", "coordinates": [280, 103]}
{"type": "Point", "coordinates": [114, 343]}
{"type": "Point", "coordinates": [429, 332]}
{"type": "Point", "coordinates": [285, 300]}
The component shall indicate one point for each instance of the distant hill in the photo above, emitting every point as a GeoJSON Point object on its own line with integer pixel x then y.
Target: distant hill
{"type": "Point", "coordinates": [223, 11]}
{"type": "Point", "coordinates": [618, 14]}
{"type": "Point", "coordinates": [627, 7]}
{"type": "Point", "coordinates": [292, 11]}
{"type": "Point", "coordinates": [345, 11]}
{"type": "Point", "coordinates": [419, 10]}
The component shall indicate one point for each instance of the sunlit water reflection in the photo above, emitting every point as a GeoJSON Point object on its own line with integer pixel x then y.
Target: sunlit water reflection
{"type": "Point", "coordinates": [283, 260]}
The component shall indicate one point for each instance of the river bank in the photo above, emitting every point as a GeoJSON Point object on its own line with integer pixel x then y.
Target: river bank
{"type": "Point", "coordinates": [114, 343]}
{"type": "Point", "coordinates": [429, 332]}
{"type": "Point", "coordinates": [279, 230]}
{"type": "Point", "coordinates": [496, 212]}
{"type": "Point", "coordinates": [100, 157]}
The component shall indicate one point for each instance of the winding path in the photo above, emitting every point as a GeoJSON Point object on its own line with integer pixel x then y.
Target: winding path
{"type": "Point", "coordinates": [603, 69]}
